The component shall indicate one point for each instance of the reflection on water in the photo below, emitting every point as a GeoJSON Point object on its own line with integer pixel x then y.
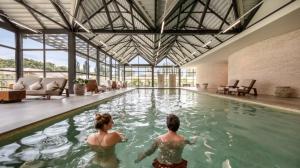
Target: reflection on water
{"type": "Point", "coordinates": [228, 133]}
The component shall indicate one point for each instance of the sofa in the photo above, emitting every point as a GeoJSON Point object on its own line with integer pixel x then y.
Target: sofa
{"type": "Point", "coordinates": [44, 85]}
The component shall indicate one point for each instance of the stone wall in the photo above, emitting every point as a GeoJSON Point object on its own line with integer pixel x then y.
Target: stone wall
{"type": "Point", "coordinates": [272, 62]}
{"type": "Point", "coordinates": [214, 74]}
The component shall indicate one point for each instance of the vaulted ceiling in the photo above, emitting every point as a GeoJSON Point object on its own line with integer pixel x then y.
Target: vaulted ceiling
{"type": "Point", "coordinates": [181, 30]}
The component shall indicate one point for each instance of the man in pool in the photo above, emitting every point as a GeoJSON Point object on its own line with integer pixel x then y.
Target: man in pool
{"type": "Point", "coordinates": [103, 142]}
{"type": "Point", "coordinates": [170, 147]}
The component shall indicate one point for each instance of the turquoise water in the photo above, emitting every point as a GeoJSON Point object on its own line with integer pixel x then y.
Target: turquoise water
{"type": "Point", "coordinates": [228, 133]}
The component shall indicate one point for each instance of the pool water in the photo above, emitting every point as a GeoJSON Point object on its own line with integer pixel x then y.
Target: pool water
{"type": "Point", "coordinates": [228, 133]}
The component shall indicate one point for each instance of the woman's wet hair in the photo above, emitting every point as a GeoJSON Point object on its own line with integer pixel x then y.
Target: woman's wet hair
{"type": "Point", "coordinates": [173, 122]}
{"type": "Point", "coordinates": [101, 120]}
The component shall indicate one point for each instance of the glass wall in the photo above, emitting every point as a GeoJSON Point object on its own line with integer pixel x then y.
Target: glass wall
{"type": "Point", "coordinates": [139, 73]}
{"type": "Point", "coordinates": [7, 58]}
{"type": "Point", "coordinates": [105, 68]}
{"type": "Point", "coordinates": [138, 76]}
{"type": "Point", "coordinates": [188, 77]}
{"type": "Point", "coordinates": [56, 55]}
{"type": "Point", "coordinates": [45, 55]}
{"type": "Point", "coordinates": [81, 59]}
{"type": "Point", "coordinates": [86, 60]}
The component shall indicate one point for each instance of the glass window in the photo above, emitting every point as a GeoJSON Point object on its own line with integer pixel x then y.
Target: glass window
{"type": "Point", "coordinates": [107, 70]}
{"type": "Point", "coordinates": [56, 61]}
{"type": "Point", "coordinates": [113, 62]}
{"type": "Point", "coordinates": [81, 46]}
{"type": "Point", "coordinates": [33, 41]}
{"type": "Point", "coordinates": [138, 60]}
{"type": "Point", "coordinates": [7, 67]}
{"type": "Point", "coordinates": [102, 57]}
{"type": "Point", "coordinates": [102, 69]}
{"type": "Point", "coordinates": [107, 60]}
{"type": "Point", "coordinates": [33, 61]}
{"type": "Point", "coordinates": [92, 52]}
{"type": "Point", "coordinates": [188, 77]}
{"type": "Point", "coordinates": [166, 62]}
{"type": "Point", "coordinates": [81, 63]}
{"type": "Point", "coordinates": [7, 38]}
{"type": "Point", "coordinates": [92, 66]}
{"type": "Point", "coordinates": [7, 58]}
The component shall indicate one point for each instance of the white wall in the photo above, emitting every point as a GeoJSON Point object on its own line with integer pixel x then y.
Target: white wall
{"type": "Point", "coordinates": [272, 62]}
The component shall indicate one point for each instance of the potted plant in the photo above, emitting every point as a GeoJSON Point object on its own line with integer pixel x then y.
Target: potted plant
{"type": "Point", "coordinates": [79, 86]}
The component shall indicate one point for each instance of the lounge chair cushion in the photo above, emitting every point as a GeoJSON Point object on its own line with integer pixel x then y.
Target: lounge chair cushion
{"type": "Point", "coordinates": [27, 81]}
{"type": "Point", "coordinates": [52, 86]}
{"type": "Point", "coordinates": [35, 86]}
{"type": "Point", "coordinates": [19, 86]}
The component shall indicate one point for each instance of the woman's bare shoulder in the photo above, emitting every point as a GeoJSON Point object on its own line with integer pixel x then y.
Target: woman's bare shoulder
{"type": "Point", "coordinates": [90, 139]}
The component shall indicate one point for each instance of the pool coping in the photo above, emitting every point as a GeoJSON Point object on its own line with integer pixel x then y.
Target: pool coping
{"type": "Point", "coordinates": [51, 119]}
{"type": "Point", "coordinates": [285, 109]}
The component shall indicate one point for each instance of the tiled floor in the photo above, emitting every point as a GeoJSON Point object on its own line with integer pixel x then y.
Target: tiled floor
{"type": "Point", "coordinates": [289, 104]}
{"type": "Point", "coordinates": [16, 115]}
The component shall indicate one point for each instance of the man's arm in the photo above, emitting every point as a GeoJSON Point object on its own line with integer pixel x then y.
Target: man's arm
{"type": "Point", "coordinates": [148, 152]}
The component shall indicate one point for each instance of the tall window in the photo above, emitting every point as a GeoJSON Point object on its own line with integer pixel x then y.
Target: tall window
{"type": "Point", "coordinates": [56, 55]}
{"type": "Point", "coordinates": [7, 58]}
{"type": "Point", "coordinates": [45, 55]}
{"type": "Point", "coordinates": [33, 55]}
{"type": "Point", "coordinates": [102, 67]}
{"type": "Point", "coordinates": [92, 62]}
{"type": "Point", "coordinates": [139, 73]}
{"type": "Point", "coordinates": [188, 77]}
{"type": "Point", "coordinates": [81, 59]}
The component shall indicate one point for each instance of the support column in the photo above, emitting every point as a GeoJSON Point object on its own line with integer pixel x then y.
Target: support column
{"type": "Point", "coordinates": [124, 72]}
{"type": "Point", "coordinates": [88, 62]}
{"type": "Point", "coordinates": [152, 69]}
{"type": "Point", "coordinates": [72, 60]}
{"type": "Point", "coordinates": [179, 78]}
{"type": "Point", "coordinates": [98, 68]}
{"type": "Point", "coordinates": [110, 68]}
{"type": "Point", "coordinates": [44, 56]}
{"type": "Point", "coordinates": [19, 56]}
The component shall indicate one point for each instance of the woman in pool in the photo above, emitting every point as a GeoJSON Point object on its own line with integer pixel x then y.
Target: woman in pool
{"type": "Point", "coordinates": [103, 142]}
{"type": "Point", "coordinates": [170, 147]}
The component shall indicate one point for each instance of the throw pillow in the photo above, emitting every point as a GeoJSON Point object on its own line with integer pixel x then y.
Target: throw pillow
{"type": "Point", "coordinates": [35, 86]}
{"type": "Point", "coordinates": [52, 86]}
{"type": "Point", "coordinates": [18, 86]}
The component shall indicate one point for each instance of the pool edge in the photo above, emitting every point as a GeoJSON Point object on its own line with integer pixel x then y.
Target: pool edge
{"type": "Point", "coordinates": [26, 128]}
{"type": "Point", "coordinates": [285, 109]}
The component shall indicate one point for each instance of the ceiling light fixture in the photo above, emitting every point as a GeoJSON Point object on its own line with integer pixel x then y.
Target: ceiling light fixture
{"type": "Point", "coordinates": [239, 19]}
{"type": "Point", "coordinates": [206, 44]}
{"type": "Point", "coordinates": [82, 26]}
{"type": "Point", "coordinates": [231, 26]}
{"type": "Point", "coordinates": [162, 27]}
{"type": "Point", "coordinates": [20, 24]}
{"type": "Point", "coordinates": [24, 26]}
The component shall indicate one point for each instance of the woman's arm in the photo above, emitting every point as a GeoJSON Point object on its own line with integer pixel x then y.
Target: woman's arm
{"type": "Point", "coordinates": [148, 152]}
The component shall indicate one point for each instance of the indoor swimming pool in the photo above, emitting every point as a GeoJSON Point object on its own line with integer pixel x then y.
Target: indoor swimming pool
{"type": "Point", "coordinates": [229, 134]}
